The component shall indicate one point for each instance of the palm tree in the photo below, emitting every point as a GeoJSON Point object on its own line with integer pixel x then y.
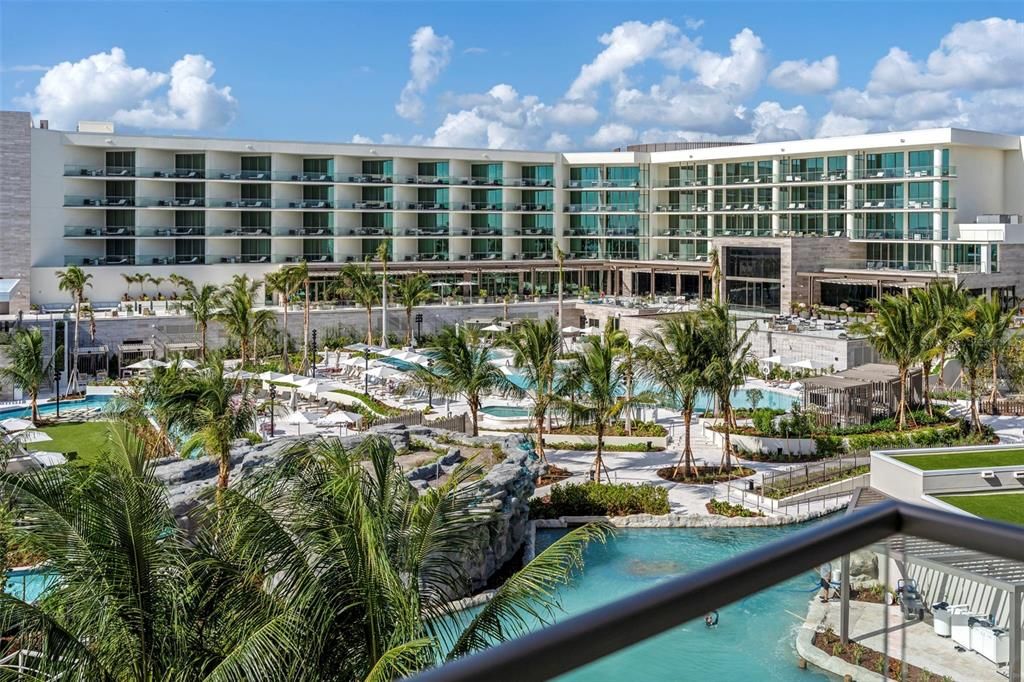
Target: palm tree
{"type": "Point", "coordinates": [560, 257]}
{"type": "Point", "coordinates": [27, 369]}
{"type": "Point", "coordinates": [410, 292]}
{"type": "Point", "coordinates": [285, 283]}
{"type": "Point", "coordinates": [129, 280]}
{"type": "Point", "coordinates": [462, 367]}
{"type": "Point", "coordinates": [673, 357]}
{"type": "Point", "coordinates": [995, 328]}
{"type": "Point", "coordinates": [897, 338]}
{"type": "Point", "coordinates": [264, 328]}
{"type": "Point", "coordinates": [715, 274]}
{"type": "Point", "coordinates": [156, 282]}
{"type": "Point", "coordinates": [201, 305]}
{"type": "Point", "coordinates": [534, 347]}
{"type": "Point", "coordinates": [949, 303]}
{"type": "Point", "coordinates": [236, 311]}
{"type": "Point", "coordinates": [726, 369]}
{"type": "Point", "coordinates": [215, 409]}
{"type": "Point", "coordinates": [312, 570]}
{"type": "Point", "coordinates": [973, 351]}
{"type": "Point", "coordinates": [74, 280]}
{"type": "Point", "coordinates": [360, 284]}
{"type": "Point", "coordinates": [382, 255]}
{"type": "Point", "coordinates": [596, 369]}
{"type": "Point", "coordinates": [298, 276]}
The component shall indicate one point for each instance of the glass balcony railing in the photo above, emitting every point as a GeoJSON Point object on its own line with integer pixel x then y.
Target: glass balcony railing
{"type": "Point", "coordinates": [485, 255]}
{"type": "Point", "coordinates": [748, 179]}
{"type": "Point", "coordinates": [477, 206]}
{"type": "Point", "coordinates": [584, 255]}
{"type": "Point", "coordinates": [240, 232]}
{"type": "Point", "coordinates": [537, 231]}
{"type": "Point", "coordinates": [602, 184]}
{"type": "Point", "coordinates": [881, 264]}
{"type": "Point", "coordinates": [75, 200]}
{"type": "Point", "coordinates": [682, 256]}
{"type": "Point", "coordinates": [603, 208]}
{"type": "Point", "coordinates": [306, 231]}
{"type": "Point", "coordinates": [364, 178]}
{"type": "Point", "coordinates": [681, 183]}
{"type": "Point", "coordinates": [433, 232]}
{"type": "Point", "coordinates": [422, 205]}
{"type": "Point", "coordinates": [98, 231]}
{"type": "Point", "coordinates": [171, 231]}
{"type": "Point", "coordinates": [528, 182]}
{"type": "Point", "coordinates": [433, 256]}
{"type": "Point", "coordinates": [524, 207]}
{"type": "Point", "coordinates": [536, 255]}
{"type": "Point", "coordinates": [309, 258]}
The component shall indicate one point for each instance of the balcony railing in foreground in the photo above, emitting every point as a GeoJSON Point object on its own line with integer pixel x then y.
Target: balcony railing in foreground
{"type": "Point", "coordinates": [577, 641]}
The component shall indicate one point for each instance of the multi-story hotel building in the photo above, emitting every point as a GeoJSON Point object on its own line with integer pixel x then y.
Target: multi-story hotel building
{"type": "Point", "coordinates": [832, 220]}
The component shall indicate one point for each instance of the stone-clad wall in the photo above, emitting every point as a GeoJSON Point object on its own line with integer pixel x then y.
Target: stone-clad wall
{"type": "Point", "coordinates": [15, 204]}
{"type": "Point", "coordinates": [505, 491]}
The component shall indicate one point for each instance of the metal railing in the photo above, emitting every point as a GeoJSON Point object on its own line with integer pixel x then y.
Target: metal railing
{"type": "Point", "coordinates": [802, 475]}
{"type": "Point", "coordinates": [572, 643]}
{"type": "Point", "coordinates": [744, 497]}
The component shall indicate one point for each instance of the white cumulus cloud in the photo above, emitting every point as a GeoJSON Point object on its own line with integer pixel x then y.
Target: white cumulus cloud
{"type": "Point", "coordinates": [431, 53]}
{"type": "Point", "coordinates": [627, 45]}
{"type": "Point", "coordinates": [612, 135]}
{"type": "Point", "coordinates": [104, 86]}
{"type": "Point", "coordinates": [806, 78]}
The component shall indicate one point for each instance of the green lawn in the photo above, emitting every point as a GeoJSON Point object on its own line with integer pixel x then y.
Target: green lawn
{"type": "Point", "coordinates": [88, 439]}
{"type": "Point", "coordinates": [1007, 507]}
{"type": "Point", "coordinates": [961, 460]}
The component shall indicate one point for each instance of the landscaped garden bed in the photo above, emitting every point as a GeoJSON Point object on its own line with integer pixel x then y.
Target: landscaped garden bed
{"type": "Point", "coordinates": [600, 499]}
{"type": "Point", "coordinates": [1008, 506]}
{"type": "Point", "coordinates": [963, 460]}
{"type": "Point", "coordinates": [870, 659]}
{"type": "Point", "coordinates": [706, 474]}
{"type": "Point", "coordinates": [723, 508]}
{"type": "Point", "coordinates": [554, 475]}
{"type": "Point", "coordinates": [607, 447]}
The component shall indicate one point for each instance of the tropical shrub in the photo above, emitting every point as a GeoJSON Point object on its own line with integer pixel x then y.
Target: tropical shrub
{"type": "Point", "coordinates": [601, 499]}
{"type": "Point", "coordinates": [723, 508]}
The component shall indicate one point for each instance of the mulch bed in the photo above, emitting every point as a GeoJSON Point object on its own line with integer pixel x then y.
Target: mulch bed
{"type": "Point", "coordinates": [706, 474]}
{"type": "Point", "coordinates": [870, 659]}
{"type": "Point", "coordinates": [554, 475]}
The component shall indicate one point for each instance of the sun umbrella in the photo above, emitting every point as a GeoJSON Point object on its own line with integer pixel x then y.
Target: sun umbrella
{"type": "Point", "coordinates": [185, 363]}
{"type": "Point", "coordinates": [14, 424]}
{"type": "Point", "coordinates": [388, 352]}
{"type": "Point", "coordinates": [269, 376]}
{"type": "Point", "coordinates": [441, 285]}
{"type": "Point", "coordinates": [493, 328]}
{"type": "Point", "coordinates": [354, 362]}
{"type": "Point", "coordinates": [294, 379]}
{"type": "Point", "coordinates": [464, 283]}
{"type": "Point", "coordinates": [148, 363]}
{"type": "Point", "coordinates": [241, 374]}
{"type": "Point", "coordinates": [360, 347]}
{"type": "Point", "coordinates": [339, 417]}
{"type": "Point", "coordinates": [571, 330]}
{"type": "Point", "coordinates": [802, 364]}
{"type": "Point", "coordinates": [412, 358]}
{"type": "Point", "coordinates": [382, 372]}
{"type": "Point", "coordinates": [592, 331]}
{"type": "Point", "coordinates": [320, 387]}
{"type": "Point", "coordinates": [772, 360]}
{"type": "Point", "coordinates": [298, 419]}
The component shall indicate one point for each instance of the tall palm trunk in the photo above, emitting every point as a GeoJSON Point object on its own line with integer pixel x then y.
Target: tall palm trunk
{"type": "Point", "coordinates": [202, 340]}
{"type": "Point", "coordinates": [629, 403]}
{"type": "Point", "coordinates": [942, 366]}
{"type": "Point", "coordinates": [995, 385]}
{"type": "Point", "coordinates": [305, 327]}
{"type": "Point", "coordinates": [972, 389]}
{"type": "Point", "coordinates": [284, 341]}
{"type": "Point", "coordinates": [727, 433]}
{"type": "Point", "coordinates": [408, 325]}
{"type": "Point", "coordinates": [34, 396]}
{"type": "Point", "coordinates": [474, 409]}
{"type": "Point", "coordinates": [539, 420]}
{"type": "Point", "coordinates": [598, 462]}
{"type": "Point", "coordinates": [901, 409]}
{"type": "Point", "coordinates": [223, 470]}
{"type": "Point", "coordinates": [926, 370]}
{"type": "Point", "coordinates": [686, 457]}
{"type": "Point", "coordinates": [369, 325]}
{"type": "Point", "coordinates": [73, 374]}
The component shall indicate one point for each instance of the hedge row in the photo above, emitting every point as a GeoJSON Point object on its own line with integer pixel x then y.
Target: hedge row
{"type": "Point", "coordinates": [600, 499]}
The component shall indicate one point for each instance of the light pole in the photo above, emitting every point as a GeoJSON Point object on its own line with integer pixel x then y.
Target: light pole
{"type": "Point", "coordinates": [430, 387]}
{"type": "Point", "coordinates": [273, 394]}
{"type": "Point", "coordinates": [366, 368]}
{"type": "Point", "coordinates": [56, 392]}
{"type": "Point", "coordinates": [314, 353]}
{"type": "Point", "coordinates": [419, 325]}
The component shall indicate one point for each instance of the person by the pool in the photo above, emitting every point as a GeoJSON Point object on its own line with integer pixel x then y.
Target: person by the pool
{"type": "Point", "coordinates": [711, 620]}
{"type": "Point", "coordinates": [825, 582]}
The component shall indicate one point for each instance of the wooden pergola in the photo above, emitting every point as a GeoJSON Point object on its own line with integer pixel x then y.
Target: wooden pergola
{"type": "Point", "coordinates": [860, 395]}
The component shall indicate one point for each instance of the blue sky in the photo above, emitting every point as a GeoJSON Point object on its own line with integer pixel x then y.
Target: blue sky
{"type": "Point", "coordinates": [526, 74]}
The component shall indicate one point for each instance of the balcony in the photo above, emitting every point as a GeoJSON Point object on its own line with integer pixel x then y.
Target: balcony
{"type": "Point", "coordinates": [171, 231]}
{"type": "Point", "coordinates": [422, 205]}
{"type": "Point", "coordinates": [584, 255]}
{"type": "Point", "coordinates": [528, 208]}
{"type": "Point", "coordinates": [99, 231]}
{"type": "Point", "coordinates": [602, 184]}
{"type": "Point", "coordinates": [74, 201]}
{"type": "Point", "coordinates": [682, 257]}
{"type": "Point", "coordinates": [364, 178]}
{"type": "Point", "coordinates": [485, 232]}
{"type": "Point", "coordinates": [364, 205]}
{"type": "Point", "coordinates": [680, 208]}
{"type": "Point", "coordinates": [681, 183]}
{"type": "Point", "coordinates": [891, 266]}
{"type": "Point", "coordinates": [528, 182]}
{"type": "Point", "coordinates": [305, 232]}
{"type": "Point", "coordinates": [603, 208]}
{"type": "Point", "coordinates": [433, 232]}
{"type": "Point", "coordinates": [897, 204]}
{"type": "Point", "coordinates": [259, 232]}
{"type": "Point", "coordinates": [485, 255]}
{"type": "Point", "coordinates": [308, 258]}
{"type": "Point", "coordinates": [478, 206]}
{"type": "Point", "coordinates": [536, 255]}
{"type": "Point", "coordinates": [99, 260]}
{"type": "Point", "coordinates": [436, 256]}
{"type": "Point", "coordinates": [537, 232]}
{"type": "Point", "coordinates": [748, 179]}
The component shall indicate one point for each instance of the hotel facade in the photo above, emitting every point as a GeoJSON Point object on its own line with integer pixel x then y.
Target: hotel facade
{"type": "Point", "coordinates": [830, 221]}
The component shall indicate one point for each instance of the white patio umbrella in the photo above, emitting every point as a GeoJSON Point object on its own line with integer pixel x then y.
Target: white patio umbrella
{"type": "Point", "coordinates": [269, 376]}
{"type": "Point", "coordinates": [772, 360]}
{"type": "Point", "coordinates": [298, 419]}
{"type": "Point", "coordinates": [382, 372]}
{"type": "Point", "coordinates": [354, 362]}
{"type": "Point", "coordinates": [571, 330]}
{"type": "Point", "coordinates": [493, 328]}
{"type": "Point", "coordinates": [319, 387]}
{"type": "Point", "coordinates": [185, 363]}
{"type": "Point", "coordinates": [411, 358]}
{"type": "Point", "coordinates": [148, 363]}
{"type": "Point", "coordinates": [441, 285]}
{"type": "Point", "coordinates": [14, 424]}
{"type": "Point", "coordinates": [592, 331]}
{"type": "Point", "coordinates": [339, 418]}
{"type": "Point", "coordinates": [242, 374]}
{"type": "Point", "coordinates": [801, 364]}
{"type": "Point", "coordinates": [388, 352]}
{"type": "Point", "coordinates": [296, 379]}
{"type": "Point", "coordinates": [464, 283]}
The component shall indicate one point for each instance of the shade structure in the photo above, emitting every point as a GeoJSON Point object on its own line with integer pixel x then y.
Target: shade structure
{"type": "Point", "coordinates": [571, 330]}
{"type": "Point", "coordinates": [382, 372]}
{"type": "Point", "coordinates": [318, 387]}
{"type": "Point", "coordinates": [360, 347]}
{"type": "Point", "coordinates": [354, 362]}
{"type": "Point", "coordinates": [772, 360]}
{"type": "Point", "coordinates": [15, 424]}
{"type": "Point", "coordinates": [148, 363]}
{"type": "Point", "coordinates": [412, 358]}
{"type": "Point", "coordinates": [269, 376]}
{"type": "Point", "coordinates": [242, 374]}
{"type": "Point", "coordinates": [592, 331]}
{"type": "Point", "coordinates": [801, 364]}
{"type": "Point", "coordinates": [464, 283]}
{"type": "Point", "coordinates": [299, 418]}
{"type": "Point", "coordinates": [185, 363]}
{"type": "Point", "coordinates": [294, 379]}
{"type": "Point", "coordinates": [493, 328]}
{"type": "Point", "coordinates": [388, 352]}
{"type": "Point", "coordinates": [338, 418]}
{"type": "Point", "coordinates": [441, 285]}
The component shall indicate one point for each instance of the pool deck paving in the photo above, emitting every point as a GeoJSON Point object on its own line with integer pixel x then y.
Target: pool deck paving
{"type": "Point", "coordinates": [871, 625]}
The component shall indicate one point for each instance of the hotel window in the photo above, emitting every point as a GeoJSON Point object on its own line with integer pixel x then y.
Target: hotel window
{"type": "Point", "coordinates": [255, 249]}
{"type": "Point", "coordinates": [538, 222]}
{"type": "Point", "coordinates": [623, 249]}
{"type": "Point", "coordinates": [382, 194]}
{"type": "Point", "coordinates": [586, 176]}
{"type": "Point", "coordinates": [836, 197]}
{"type": "Point", "coordinates": [764, 225]}
{"type": "Point", "coordinates": [945, 226]}
{"type": "Point", "coordinates": [486, 221]}
{"type": "Point", "coordinates": [255, 167]}
{"type": "Point", "coordinates": [739, 172]}
{"type": "Point", "coordinates": [485, 246]}
{"type": "Point", "coordinates": [316, 167]}
{"type": "Point", "coordinates": [433, 170]}
{"type": "Point", "coordinates": [540, 175]}
{"type": "Point", "coordinates": [836, 225]}
{"type": "Point", "coordinates": [120, 189]}
{"type": "Point", "coordinates": [764, 170]}
{"type": "Point", "coordinates": [120, 163]}
{"type": "Point", "coordinates": [536, 247]}
{"type": "Point", "coordinates": [920, 225]}
{"type": "Point", "coordinates": [622, 201]}
{"type": "Point", "coordinates": [255, 221]}
{"type": "Point", "coordinates": [119, 249]}
{"type": "Point", "coordinates": [433, 196]}
{"type": "Point", "coordinates": [889, 163]}
{"type": "Point", "coordinates": [946, 203]}
{"type": "Point", "coordinates": [187, 249]}
{"type": "Point", "coordinates": [490, 173]}
{"type": "Point", "coordinates": [435, 220]}
{"type": "Point", "coordinates": [623, 225]}
{"type": "Point", "coordinates": [487, 199]}
{"type": "Point", "coordinates": [588, 199]}
{"type": "Point", "coordinates": [836, 167]}
{"type": "Point", "coordinates": [317, 193]}
{"type": "Point", "coordinates": [545, 198]}
{"type": "Point", "coordinates": [188, 219]}
{"type": "Point", "coordinates": [920, 162]}
{"type": "Point", "coordinates": [317, 221]}
{"type": "Point", "coordinates": [584, 224]}
{"type": "Point", "coordinates": [993, 257]}
{"type": "Point", "coordinates": [126, 219]}
{"type": "Point", "coordinates": [251, 192]}
{"type": "Point", "coordinates": [185, 163]}
{"type": "Point", "coordinates": [753, 263]}
{"type": "Point", "coordinates": [945, 162]}
{"type": "Point", "coordinates": [379, 167]}
{"type": "Point", "coordinates": [807, 169]}
{"type": "Point", "coordinates": [919, 193]}
{"type": "Point", "coordinates": [623, 176]}
{"type": "Point", "coordinates": [919, 256]}
{"type": "Point", "coordinates": [316, 249]}
{"type": "Point", "coordinates": [887, 255]}
{"type": "Point", "coordinates": [386, 220]}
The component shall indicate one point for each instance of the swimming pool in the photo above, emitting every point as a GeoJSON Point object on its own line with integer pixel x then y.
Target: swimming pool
{"type": "Point", "coordinates": [94, 401]}
{"type": "Point", "coordinates": [506, 411]}
{"type": "Point", "coordinates": [755, 638]}
{"type": "Point", "coordinates": [28, 583]}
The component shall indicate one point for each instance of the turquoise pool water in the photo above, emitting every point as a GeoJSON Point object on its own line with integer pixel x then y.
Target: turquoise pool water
{"type": "Point", "coordinates": [755, 638]}
{"type": "Point", "coordinates": [99, 401]}
{"type": "Point", "coordinates": [505, 411]}
{"type": "Point", "coordinates": [27, 584]}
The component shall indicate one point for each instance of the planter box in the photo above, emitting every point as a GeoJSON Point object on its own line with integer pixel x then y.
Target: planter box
{"type": "Point", "coordinates": [759, 444]}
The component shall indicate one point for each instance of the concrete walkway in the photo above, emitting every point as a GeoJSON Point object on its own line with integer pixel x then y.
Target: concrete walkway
{"type": "Point", "coordinates": [915, 642]}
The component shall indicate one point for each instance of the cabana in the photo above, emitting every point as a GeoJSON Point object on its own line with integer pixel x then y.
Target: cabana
{"type": "Point", "coordinates": [859, 395]}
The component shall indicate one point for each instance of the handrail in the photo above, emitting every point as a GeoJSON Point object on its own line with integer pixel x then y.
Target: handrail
{"type": "Point", "coordinates": [571, 643]}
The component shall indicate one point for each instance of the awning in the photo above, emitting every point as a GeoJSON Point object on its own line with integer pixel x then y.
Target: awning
{"type": "Point", "coordinates": [7, 287]}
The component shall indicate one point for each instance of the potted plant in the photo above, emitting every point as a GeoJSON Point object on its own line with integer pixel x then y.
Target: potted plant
{"type": "Point", "coordinates": [482, 293]}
